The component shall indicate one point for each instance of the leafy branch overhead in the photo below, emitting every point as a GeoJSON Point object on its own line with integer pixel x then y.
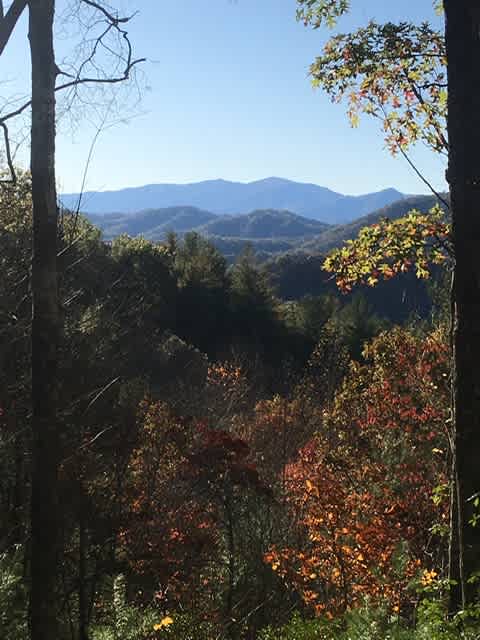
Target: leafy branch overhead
{"type": "Point", "coordinates": [415, 241]}
{"type": "Point", "coordinates": [316, 12]}
{"type": "Point", "coordinates": [394, 72]}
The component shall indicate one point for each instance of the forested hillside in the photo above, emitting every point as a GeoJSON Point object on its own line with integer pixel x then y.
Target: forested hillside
{"type": "Point", "coordinates": [224, 418]}
{"type": "Point", "coordinates": [270, 232]}
{"type": "Point", "coordinates": [234, 401]}
{"type": "Point", "coordinates": [154, 224]}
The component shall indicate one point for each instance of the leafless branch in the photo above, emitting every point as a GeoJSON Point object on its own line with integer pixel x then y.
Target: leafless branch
{"type": "Point", "coordinates": [8, 154]}
{"type": "Point", "coordinates": [124, 55]}
{"type": "Point", "coordinates": [9, 20]}
{"type": "Point", "coordinates": [115, 20]}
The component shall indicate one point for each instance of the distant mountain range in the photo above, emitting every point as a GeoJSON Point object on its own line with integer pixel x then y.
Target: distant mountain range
{"type": "Point", "coordinates": [269, 231]}
{"type": "Point", "coordinates": [335, 236]}
{"type": "Point", "coordinates": [261, 224]}
{"type": "Point", "coordinates": [224, 197]}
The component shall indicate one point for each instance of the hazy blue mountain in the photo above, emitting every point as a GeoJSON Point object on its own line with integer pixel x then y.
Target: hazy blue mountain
{"type": "Point", "coordinates": [270, 232]}
{"type": "Point", "coordinates": [264, 223]}
{"type": "Point", "coordinates": [335, 236]}
{"type": "Point", "coordinates": [155, 223]}
{"type": "Point", "coordinates": [224, 197]}
{"type": "Point", "coordinates": [152, 223]}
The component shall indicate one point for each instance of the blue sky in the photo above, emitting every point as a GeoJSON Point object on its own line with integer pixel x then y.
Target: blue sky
{"type": "Point", "coordinates": [226, 95]}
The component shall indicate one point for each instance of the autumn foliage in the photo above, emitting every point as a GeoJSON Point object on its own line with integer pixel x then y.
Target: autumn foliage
{"type": "Point", "coordinates": [361, 490]}
{"type": "Point", "coordinates": [417, 241]}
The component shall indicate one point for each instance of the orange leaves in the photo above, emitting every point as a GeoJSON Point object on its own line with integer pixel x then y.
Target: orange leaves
{"type": "Point", "coordinates": [224, 374]}
{"type": "Point", "coordinates": [364, 506]}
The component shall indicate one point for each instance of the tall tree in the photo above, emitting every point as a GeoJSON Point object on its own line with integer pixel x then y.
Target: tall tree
{"type": "Point", "coordinates": [463, 55]}
{"type": "Point", "coordinates": [396, 73]}
{"type": "Point", "coordinates": [45, 326]}
{"type": "Point", "coordinates": [46, 322]}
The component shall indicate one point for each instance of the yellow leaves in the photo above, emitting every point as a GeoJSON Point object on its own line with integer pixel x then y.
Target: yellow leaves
{"type": "Point", "coordinates": [389, 247]}
{"type": "Point", "coordinates": [311, 488]}
{"type": "Point", "coordinates": [428, 577]}
{"type": "Point", "coordinates": [379, 69]}
{"type": "Point", "coordinates": [354, 119]}
{"type": "Point", "coordinates": [165, 622]}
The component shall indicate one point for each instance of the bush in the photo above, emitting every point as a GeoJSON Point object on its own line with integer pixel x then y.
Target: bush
{"type": "Point", "coordinates": [13, 597]}
{"type": "Point", "coordinates": [136, 623]}
{"type": "Point", "coordinates": [375, 624]}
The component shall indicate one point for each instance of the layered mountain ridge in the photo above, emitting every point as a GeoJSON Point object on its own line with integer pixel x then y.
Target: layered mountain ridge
{"type": "Point", "coordinates": [269, 231]}
{"type": "Point", "coordinates": [222, 197]}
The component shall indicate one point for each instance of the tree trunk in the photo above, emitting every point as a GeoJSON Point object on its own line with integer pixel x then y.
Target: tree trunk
{"type": "Point", "coordinates": [463, 54]}
{"type": "Point", "coordinates": [45, 328]}
{"type": "Point", "coordinates": [82, 566]}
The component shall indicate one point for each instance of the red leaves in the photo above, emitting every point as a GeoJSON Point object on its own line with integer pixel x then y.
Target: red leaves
{"type": "Point", "coordinates": [365, 506]}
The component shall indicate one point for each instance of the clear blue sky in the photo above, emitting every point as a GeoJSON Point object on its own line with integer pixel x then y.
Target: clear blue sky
{"type": "Point", "coordinates": [227, 96]}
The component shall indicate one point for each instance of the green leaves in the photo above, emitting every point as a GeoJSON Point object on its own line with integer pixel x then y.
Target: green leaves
{"type": "Point", "coordinates": [382, 250]}
{"type": "Point", "coordinates": [316, 12]}
{"type": "Point", "coordinates": [395, 72]}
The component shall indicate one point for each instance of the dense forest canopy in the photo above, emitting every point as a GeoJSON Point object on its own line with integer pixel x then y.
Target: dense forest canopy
{"type": "Point", "coordinates": [198, 445]}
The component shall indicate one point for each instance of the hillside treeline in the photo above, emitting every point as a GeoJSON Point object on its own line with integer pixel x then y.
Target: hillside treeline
{"type": "Point", "coordinates": [227, 463]}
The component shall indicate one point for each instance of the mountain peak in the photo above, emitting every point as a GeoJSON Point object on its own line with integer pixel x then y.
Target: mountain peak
{"type": "Point", "coordinates": [224, 197]}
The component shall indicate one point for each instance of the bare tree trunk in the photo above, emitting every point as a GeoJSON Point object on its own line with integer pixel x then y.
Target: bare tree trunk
{"type": "Point", "coordinates": [463, 54]}
{"type": "Point", "coordinates": [45, 328]}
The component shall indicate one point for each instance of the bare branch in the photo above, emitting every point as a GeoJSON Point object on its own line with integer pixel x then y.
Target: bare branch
{"type": "Point", "coordinates": [9, 20]}
{"type": "Point", "coordinates": [115, 20]}
{"type": "Point", "coordinates": [113, 23]}
{"type": "Point", "coordinates": [8, 154]}
{"type": "Point", "coordinates": [80, 81]}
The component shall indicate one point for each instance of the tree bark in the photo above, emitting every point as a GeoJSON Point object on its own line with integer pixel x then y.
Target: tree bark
{"type": "Point", "coordinates": [9, 20]}
{"type": "Point", "coordinates": [45, 328]}
{"type": "Point", "coordinates": [463, 55]}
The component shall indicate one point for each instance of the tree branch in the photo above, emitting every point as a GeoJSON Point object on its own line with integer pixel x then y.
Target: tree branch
{"type": "Point", "coordinates": [125, 56]}
{"type": "Point", "coordinates": [8, 154]}
{"type": "Point", "coordinates": [79, 81]}
{"type": "Point", "coordinates": [415, 168]}
{"type": "Point", "coordinates": [115, 20]}
{"type": "Point", "coordinates": [9, 20]}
